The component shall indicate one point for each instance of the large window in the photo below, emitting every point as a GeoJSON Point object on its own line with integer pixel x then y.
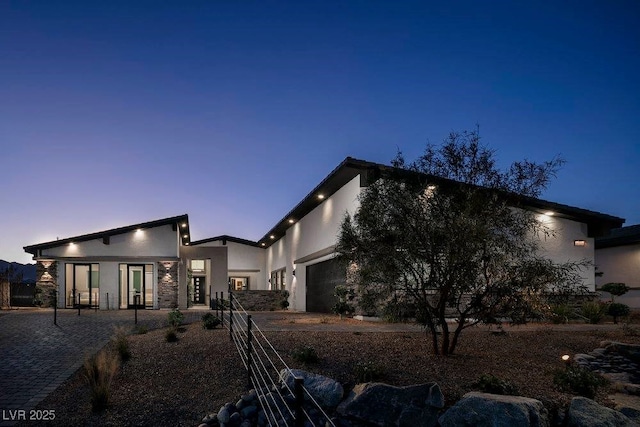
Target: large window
{"type": "Point", "coordinates": [85, 284]}
{"type": "Point", "coordinates": [278, 279]}
{"type": "Point", "coordinates": [197, 265]}
{"type": "Point", "coordinates": [239, 283]}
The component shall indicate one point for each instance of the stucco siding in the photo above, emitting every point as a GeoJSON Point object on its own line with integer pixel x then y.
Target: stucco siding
{"type": "Point", "coordinates": [151, 242]}
{"type": "Point", "coordinates": [620, 264]}
{"type": "Point", "coordinates": [560, 248]}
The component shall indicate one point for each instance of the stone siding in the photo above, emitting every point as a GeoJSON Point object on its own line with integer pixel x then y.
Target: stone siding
{"type": "Point", "coordinates": [167, 284]}
{"type": "Point", "coordinates": [254, 300]}
{"type": "Point", "coordinates": [46, 283]}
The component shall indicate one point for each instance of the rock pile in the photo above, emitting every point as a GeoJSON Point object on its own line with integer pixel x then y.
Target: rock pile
{"type": "Point", "coordinates": [376, 404]}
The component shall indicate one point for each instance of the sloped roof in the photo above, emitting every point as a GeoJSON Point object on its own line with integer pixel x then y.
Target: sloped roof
{"type": "Point", "coordinates": [598, 223]}
{"type": "Point", "coordinates": [620, 237]}
{"type": "Point", "coordinates": [226, 238]}
{"type": "Point", "coordinates": [181, 221]}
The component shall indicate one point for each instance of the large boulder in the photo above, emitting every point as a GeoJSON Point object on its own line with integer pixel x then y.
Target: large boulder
{"type": "Point", "coordinates": [585, 412]}
{"type": "Point", "coordinates": [494, 410]}
{"type": "Point", "coordinates": [385, 405]}
{"type": "Point", "coordinates": [326, 391]}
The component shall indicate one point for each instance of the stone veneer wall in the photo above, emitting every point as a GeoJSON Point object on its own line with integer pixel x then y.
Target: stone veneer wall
{"type": "Point", "coordinates": [46, 282]}
{"type": "Point", "coordinates": [254, 300]}
{"type": "Point", "coordinates": [167, 284]}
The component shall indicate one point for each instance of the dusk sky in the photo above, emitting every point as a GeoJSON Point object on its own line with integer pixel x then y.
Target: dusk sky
{"type": "Point", "coordinates": [119, 112]}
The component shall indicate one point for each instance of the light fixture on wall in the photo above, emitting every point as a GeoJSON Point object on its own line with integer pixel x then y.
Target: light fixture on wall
{"type": "Point", "coordinates": [579, 243]}
{"type": "Point", "coordinates": [293, 272]}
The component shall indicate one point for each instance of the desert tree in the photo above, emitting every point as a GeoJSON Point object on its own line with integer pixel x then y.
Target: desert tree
{"type": "Point", "coordinates": [449, 235]}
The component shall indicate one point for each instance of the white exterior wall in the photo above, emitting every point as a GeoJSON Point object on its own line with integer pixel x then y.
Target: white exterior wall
{"type": "Point", "coordinates": [150, 242]}
{"type": "Point", "coordinates": [620, 264]}
{"type": "Point", "coordinates": [560, 247]}
{"type": "Point", "coordinates": [245, 261]}
{"type": "Point", "coordinates": [317, 231]}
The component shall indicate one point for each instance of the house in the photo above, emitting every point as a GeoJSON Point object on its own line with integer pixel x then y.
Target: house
{"type": "Point", "coordinates": [618, 258]}
{"type": "Point", "coordinates": [157, 264]}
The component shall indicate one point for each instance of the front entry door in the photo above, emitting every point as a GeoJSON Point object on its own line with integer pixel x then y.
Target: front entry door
{"type": "Point", "coordinates": [198, 290]}
{"type": "Point", "coordinates": [135, 285]}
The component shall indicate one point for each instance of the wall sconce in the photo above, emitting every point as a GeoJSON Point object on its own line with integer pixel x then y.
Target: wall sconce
{"type": "Point", "coordinates": [579, 243]}
{"type": "Point", "coordinates": [294, 272]}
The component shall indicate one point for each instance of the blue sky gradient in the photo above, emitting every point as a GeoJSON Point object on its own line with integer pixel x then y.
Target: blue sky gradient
{"type": "Point", "coordinates": [119, 112]}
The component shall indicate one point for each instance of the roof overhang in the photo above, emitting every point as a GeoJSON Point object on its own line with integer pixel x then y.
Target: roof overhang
{"type": "Point", "coordinates": [180, 222]}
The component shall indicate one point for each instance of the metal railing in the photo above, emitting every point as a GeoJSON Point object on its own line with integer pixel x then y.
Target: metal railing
{"type": "Point", "coordinates": [283, 402]}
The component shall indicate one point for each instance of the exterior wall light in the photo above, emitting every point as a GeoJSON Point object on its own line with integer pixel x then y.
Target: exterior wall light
{"type": "Point", "coordinates": [579, 243]}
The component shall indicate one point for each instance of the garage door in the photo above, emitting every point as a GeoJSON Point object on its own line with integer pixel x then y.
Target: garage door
{"type": "Point", "coordinates": [322, 279]}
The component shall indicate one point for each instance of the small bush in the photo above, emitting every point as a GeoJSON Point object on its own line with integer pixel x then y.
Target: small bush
{"type": "Point", "coordinates": [630, 331]}
{"type": "Point", "coordinates": [488, 383]}
{"type": "Point", "coordinates": [305, 354]}
{"type": "Point", "coordinates": [616, 309]}
{"type": "Point", "coordinates": [142, 329]}
{"type": "Point", "coordinates": [175, 318]}
{"type": "Point", "coordinates": [171, 335]}
{"type": "Point", "coordinates": [561, 313]}
{"type": "Point", "coordinates": [99, 371]}
{"type": "Point", "coordinates": [210, 321]}
{"type": "Point", "coordinates": [284, 302]}
{"type": "Point", "coordinates": [579, 380]}
{"type": "Point", "coordinates": [120, 343]}
{"type": "Point", "coordinates": [368, 371]}
{"type": "Point", "coordinates": [593, 311]}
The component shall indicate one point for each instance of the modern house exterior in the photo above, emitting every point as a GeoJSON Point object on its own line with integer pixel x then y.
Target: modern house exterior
{"type": "Point", "coordinates": [618, 258]}
{"type": "Point", "coordinates": [157, 264]}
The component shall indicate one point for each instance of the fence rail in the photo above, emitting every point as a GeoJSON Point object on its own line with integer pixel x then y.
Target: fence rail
{"type": "Point", "coordinates": [283, 403]}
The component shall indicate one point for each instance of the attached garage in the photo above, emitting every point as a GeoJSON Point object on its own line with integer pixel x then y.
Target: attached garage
{"type": "Point", "coordinates": [322, 279]}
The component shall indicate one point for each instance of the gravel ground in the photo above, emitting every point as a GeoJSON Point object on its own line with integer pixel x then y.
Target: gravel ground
{"type": "Point", "coordinates": [173, 384]}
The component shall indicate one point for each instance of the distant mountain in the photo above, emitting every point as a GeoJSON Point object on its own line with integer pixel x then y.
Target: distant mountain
{"type": "Point", "coordinates": [28, 270]}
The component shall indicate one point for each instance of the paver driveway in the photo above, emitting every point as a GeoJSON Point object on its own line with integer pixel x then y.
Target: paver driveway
{"type": "Point", "coordinates": [36, 356]}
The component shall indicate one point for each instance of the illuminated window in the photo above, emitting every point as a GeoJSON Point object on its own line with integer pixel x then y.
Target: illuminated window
{"type": "Point", "coordinates": [197, 265]}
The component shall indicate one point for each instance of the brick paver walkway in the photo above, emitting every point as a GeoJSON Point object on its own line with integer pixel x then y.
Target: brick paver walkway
{"type": "Point", "coordinates": [36, 356]}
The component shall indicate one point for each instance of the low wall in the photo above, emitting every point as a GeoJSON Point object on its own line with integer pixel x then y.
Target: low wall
{"type": "Point", "coordinates": [254, 300]}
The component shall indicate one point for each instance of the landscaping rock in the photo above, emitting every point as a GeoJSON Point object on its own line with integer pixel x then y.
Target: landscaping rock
{"type": "Point", "coordinates": [385, 405]}
{"type": "Point", "coordinates": [585, 412]}
{"type": "Point", "coordinates": [223, 415]}
{"type": "Point", "coordinates": [490, 410]}
{"type": "Point", "coordinates": [326, 391]}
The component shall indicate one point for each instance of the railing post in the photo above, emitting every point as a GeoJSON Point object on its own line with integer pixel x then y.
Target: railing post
{"type": "Point", "coordinates": [249, 371]}
{"type": "Point", "coordinates": [78, 303]}
{"type": "Point", "coordinates": [221, 306]}
{"type": "Point", "coordinates": [55, 307]}
{"type": "Point", "coordinates": [230, 315]}
{"type": "Point", "coordinates": [297, 390]}
{"type": "Point", "coordinates": [108, 308]}
{"type": "Point", "coordinates": [136, 300]}
{"type": "Point", "coordinates": [97, 302]}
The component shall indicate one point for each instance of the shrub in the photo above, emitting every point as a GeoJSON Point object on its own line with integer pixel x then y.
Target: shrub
{"type": "Point", "coordinates": [305, 354]}
{"type": "Point", "coordinates": [171, 335]}
{"type": "Point", "coordinates": [368, 371]}
{"type": "Point", "coordinates": [175, 318]}
{"type": "Point", "coordinates": [617, 309]}
{"type": "Point", "coordinates": [615, 289]}
{"type": "Point", "coordinates": [210, 321]}
{"type": "Point", "coordinates": [120, 343]}
{"type": "Point", "coordinates": [561, 313]}
{"type": "Point", "coordinates": [142, 329]}
{"type": "Point", "coordinates": [593, 311]}
{"type": "Point", "coordinates": [488, 383]}
{"type": "Point", "coordinates": [99, 371]}
{"type": "Point", "coordinates": [284, 302]}
{"type": "Point", "coordinates": [579, 380]}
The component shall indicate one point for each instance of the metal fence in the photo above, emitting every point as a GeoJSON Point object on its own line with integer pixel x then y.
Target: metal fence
{"type": "Point", "coordinates": [283, 402]}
